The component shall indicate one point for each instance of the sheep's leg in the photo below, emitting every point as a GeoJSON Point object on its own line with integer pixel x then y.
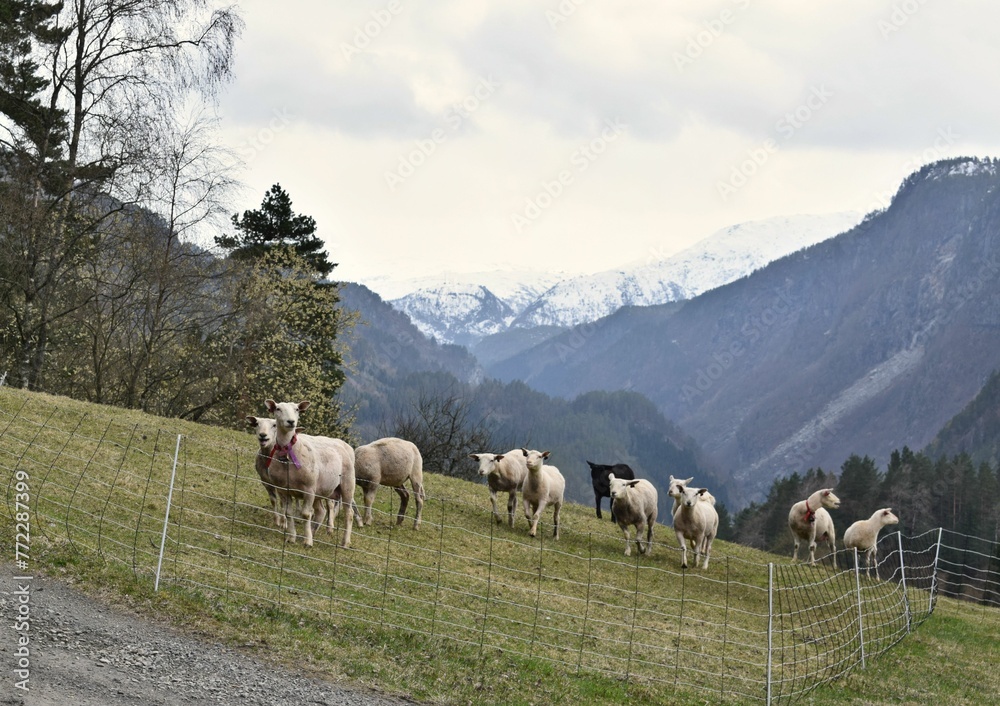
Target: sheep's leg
{"type": "Point", "coordinates": [628, 539]}
{"type": "Point", "coordinates": [347, 493]}
{"type": "Point", "coordinates": [684, 549]}
{"type": "Point", "coordinates": [535, 517]}
{"type": "Point", "coordinates": [555, 518]}
{"type": "Point", "coordinates": [597, 503]}
{"type": "Point", "coordinates": [640, 527]}
{"type": "Point", "coordinates": [418, 494]}
{"type": "Point", "coordinates": [527, 508]}
{"type": "Point", "coordinates": [833, 551]}
{"type": "Point", "coordinates": [308, 500]}
{"type": "Point", "coordinates": [332, 512]}
{"type": "Point", "coordinates": [707, 550]}
{"type": "Point", "coordinates": [795, 551]}
{"type": "Point", "coordinates": [289, 512]}
{"type": "Point", "coordinates": [511, 508]}
{"type": "Point", "coordinates": [496, 513]}
{"type": "Point", "coordinates": [649, 535]}
{"type": "Point", "coordinates": [404, 500]}
{"type": "Point", "coordinates": [370, 490]}
{"type": "Point", "coordinates": [320, 512]}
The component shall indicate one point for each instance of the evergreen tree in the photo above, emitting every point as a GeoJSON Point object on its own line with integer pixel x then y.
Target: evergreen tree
{"type": "Point", "coordinates": [858, 490]}
{"type": "Point", "coordinates": [273, 225]}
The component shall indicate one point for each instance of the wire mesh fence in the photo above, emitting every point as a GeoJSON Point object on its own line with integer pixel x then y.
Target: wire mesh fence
{"type": "Point", "coordinates": [184, 511]}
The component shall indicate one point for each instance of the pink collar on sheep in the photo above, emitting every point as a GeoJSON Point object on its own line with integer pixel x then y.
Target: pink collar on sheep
{"type": "Point", "coordinates": [286, 452]}
{"type": "Point", "coordinates": [810, 514]}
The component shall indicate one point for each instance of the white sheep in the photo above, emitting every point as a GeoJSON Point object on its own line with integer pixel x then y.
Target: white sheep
{"type": "Point", "coordinates": [863, 535]}
{"type": "Point", "coordinates": [675, 489]}
{"type": "Point", "coordinates": [310, 469]}
{"type": "Point", "coordinates": [808, 520]}
{"type": "Point", "coordinates": [633, 502]}
{"type": "Point", "coordinates": [505, 473]}
{"type": "Point", "coordinates": [265, 429]}
{"type": "Point", "coordinates": [390, 462]}
{"type": "Point", "coordinates": [697, 521]}
{"type": "Point", "coordinates": [544, 485]}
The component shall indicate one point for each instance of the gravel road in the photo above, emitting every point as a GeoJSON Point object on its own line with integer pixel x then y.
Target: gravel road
{"type": "Point", "coordinates": [83, 652]}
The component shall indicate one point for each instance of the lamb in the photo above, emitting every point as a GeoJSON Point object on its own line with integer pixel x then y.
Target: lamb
{"type": "Point", "coordinates": [266, 428]}
{"type": "Point", "coordinates": [544, 485]}
{"type": "Point", "coordinates": [863, 535]}
{"type": "Point", "coordinates": [633, 502]}
{"type": "Point", "coordinates": [391, 462]}
{"type": "Point", "coordinates": [676, 489]}
{"type": "Point", "coordinates": [599, 473]}
{"type": "Point", "coordinates": [310, 469]}
{"type": "Point", "coordinates": [505, 473]}
{"type": "Point", "coordinates": [695, 520]}
{"type": "Point", "coordinates": [809, 520]}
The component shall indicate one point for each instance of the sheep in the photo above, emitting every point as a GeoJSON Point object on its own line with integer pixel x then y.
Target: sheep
{"type": "Point", "coordinates": [391, 462]}
{"type": "Point", "coordinates": [544, 485]}
{"type": "Point", "coordinates": [505, 473]}
{"type": "Point", "coordinates": [809, 520]}
{"type": "Point", "coordinates": [863, 535]}
{"type": "Point", "coordinates": [633, 502]}
{"type": "Point", "coordinates": [266, 429]}
{"type": "Point", "coordinates": [697, 521]}
{"type": "Point", "coordinates": [599, 473]}
{"type": "Point", "coordinates": [310, 469]}
{"type": "Point", "coordinates": [676, 489]}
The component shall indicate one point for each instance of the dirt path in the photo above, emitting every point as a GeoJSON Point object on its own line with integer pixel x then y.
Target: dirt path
{"type": "Point", "coordinates": [82, 652]}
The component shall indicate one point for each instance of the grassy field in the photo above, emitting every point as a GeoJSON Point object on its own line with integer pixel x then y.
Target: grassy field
{"type": "Point", "coordinates": [463, 611]}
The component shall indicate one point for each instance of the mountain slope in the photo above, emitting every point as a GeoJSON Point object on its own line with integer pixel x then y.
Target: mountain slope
{"type": "Point", "coordinates": [863, 343]}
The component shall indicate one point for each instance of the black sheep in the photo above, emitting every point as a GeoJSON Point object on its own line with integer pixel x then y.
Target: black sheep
{"type": "Point", "coordinates": [599, 474]}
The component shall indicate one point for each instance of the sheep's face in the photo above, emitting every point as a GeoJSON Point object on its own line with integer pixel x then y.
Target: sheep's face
{"type": "Point", "coordinates": [534, 459]}
{"type": "Point", "coordinates": [676, 487]}
{"type": "Point", "coordinates": [487, 462]}
{"type": "Point", "coordinates": [886, 517]}
{"type": "Point", "coordinates": [265, 429]}
{"type": "Point", "coordinates": [616, 487]}
{"type": "Point", "coordinates": [829, 500]}
{"type": "Point", "coordinates": [689, 495]}
{"type": "Point", "coordinates": [286, 414]}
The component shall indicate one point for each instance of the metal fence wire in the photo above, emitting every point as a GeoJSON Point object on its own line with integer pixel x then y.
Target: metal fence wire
{"type": "Point", "coordinates": [188, 513]}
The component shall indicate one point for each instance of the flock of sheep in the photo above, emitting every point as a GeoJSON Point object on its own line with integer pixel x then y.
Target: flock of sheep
{"type": "Point", "coordinates": [310, 477]}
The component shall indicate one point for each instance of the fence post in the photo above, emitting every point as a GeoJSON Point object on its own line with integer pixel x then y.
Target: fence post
{"type": "Point", "coordinates": [937, 553]}
{"type": "Point", "coordinates": [770, 623]}
{"type": "Point", "coordinates": [166, 515]}
{"type": "Point", "coordinates": [861, 619]}
{"type": "Point", "coordinates": [902, 574]}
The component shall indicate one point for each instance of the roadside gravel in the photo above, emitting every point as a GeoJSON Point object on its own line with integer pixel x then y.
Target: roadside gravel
{"type": "Point", "coordinates": [84, 652]}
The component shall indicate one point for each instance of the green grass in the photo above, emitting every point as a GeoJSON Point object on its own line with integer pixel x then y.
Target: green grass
{"type": "Point", "coordinates": [463, 611]}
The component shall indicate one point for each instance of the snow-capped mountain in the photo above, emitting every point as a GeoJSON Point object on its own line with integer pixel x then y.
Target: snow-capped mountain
{"type": "Point", "coordinates": [465, 308]}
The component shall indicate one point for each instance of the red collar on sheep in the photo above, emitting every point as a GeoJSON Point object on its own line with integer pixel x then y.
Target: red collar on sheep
{"type": "Point", "coordinates": [810, 514]}
{"type": "Point", "coordinates": [286, 452]}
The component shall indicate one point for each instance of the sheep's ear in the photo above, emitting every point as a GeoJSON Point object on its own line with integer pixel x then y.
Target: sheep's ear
{"type": "Point", "coordinates": [303, 405]}
{"type": "Point", "coordinates": [474, 457]}
{"type": "Point", "coordinates": [270, 404]}
{"type": "Point", "coordinates": [498, 457]}
{"type": "Point", "coordinates": [545, 454]}
{"type": "Point", "coordinates": [632, 483]}
{"type": "Point", "coordinates": [688, 480]}
{"type": "Point", "coordinates": [524, 451]}
{"type": "Point", "coordinates": [825, 493]}
{"type": "Point", "coordinates": [251, 421]}
{"type": "Point", "coordinates": [702, 491]}
{"type": "Point", "coordinates": [611, 477]}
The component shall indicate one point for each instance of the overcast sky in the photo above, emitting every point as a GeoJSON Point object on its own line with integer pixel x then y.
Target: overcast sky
{"type": "Point", "coordinates": [581, 135]}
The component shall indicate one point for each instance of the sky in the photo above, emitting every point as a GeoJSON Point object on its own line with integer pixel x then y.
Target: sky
{"type": "Point", "coordinates": [576, 136]}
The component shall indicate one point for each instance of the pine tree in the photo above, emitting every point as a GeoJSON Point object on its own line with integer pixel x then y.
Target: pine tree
{"type": "Point", "coordinates": [273, 225]}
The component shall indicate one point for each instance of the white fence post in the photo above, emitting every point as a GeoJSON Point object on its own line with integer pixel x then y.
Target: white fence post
{"type": "Point", "coordinates": [166, 515]}
{"type": "Point", "coordinates": [861, 615]}
{"type": "Point", "coordinates": [937, 553]}
{"type": "Point", "coordinates": [902, 574]}
{"type": "Point", "coordinates": [770, 621]}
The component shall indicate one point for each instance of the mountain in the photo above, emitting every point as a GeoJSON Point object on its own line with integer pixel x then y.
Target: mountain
{"type": "Point", "coordinates": [975, 430]}
{"type": "Point", "coordinates": [465, 309]}
{"type": "Point", "coordinates": [863, 343]}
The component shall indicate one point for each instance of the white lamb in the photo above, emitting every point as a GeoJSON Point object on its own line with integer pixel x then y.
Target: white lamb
{"type": "Point", "coordinates": [676, 489]}
{"type": "Point", "coordinates": [863, 535]}
{"type": "Point", "coordinates": [266, 429]}
{"type": "Point", "coordinates": [310, 469]}
{"type": "Point", "coordinates": [808, 520]}
{"type": "Point", "coordinates": [697, 521]}
{"type": "Point", "coordinates": [505, 473]}
{"type": "Point", "coordinates": [633, 502]}
{"type": "Point", "coordinates": [390, 462]}
{"type": "Point", "coordinates": [543, 486]}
